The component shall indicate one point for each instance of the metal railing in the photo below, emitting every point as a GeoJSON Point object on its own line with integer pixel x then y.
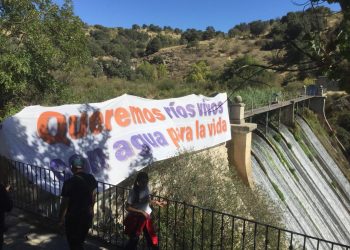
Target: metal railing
{"type": "Point", "coordinates": [179, 225]}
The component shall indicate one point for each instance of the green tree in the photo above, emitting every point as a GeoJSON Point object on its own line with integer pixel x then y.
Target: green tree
{"type": "Point", "coordinates": [153, 46]}
{"type": "Point", "coordinates": [258, 27]}
{"type": "Point", "coordinates": [243, 72]}
{"type": "Point", "coordinates": [114, 68]}
{"type": "Point", "coordinates": [314, 47]}
{"type": "Point", "coordinates": [136, 27]}
{"type": "Point", "coordinates": [154, 28]}
{"type": "Point", "coordinates": [209, 33]}
{"type": "Point", "coordinates": [37, 38]}
{"type": "Point", "coordinates": [199, 72]}
{"type": "Point", "coordinates": [233, 32]}
{"type": "Point", "coordinates": [191, 35]}
{"type": "Point", "coordinates": [146, 71]}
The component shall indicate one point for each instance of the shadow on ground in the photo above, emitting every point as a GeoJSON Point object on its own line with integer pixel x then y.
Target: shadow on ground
{"type": "Point", "coordinates": [25, 231]}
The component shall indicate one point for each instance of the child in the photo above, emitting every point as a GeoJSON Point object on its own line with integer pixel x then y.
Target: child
{"type": "Point", "coordinates": [138, 219]}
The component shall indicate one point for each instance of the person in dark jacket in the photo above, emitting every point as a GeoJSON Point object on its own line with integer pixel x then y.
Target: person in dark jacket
{"type": "Point", "coordinates": [77, 204]}
{"type": "Point", "coordinates": [6, 205]}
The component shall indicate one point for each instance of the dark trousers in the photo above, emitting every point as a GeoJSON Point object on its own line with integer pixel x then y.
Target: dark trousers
{"type": "Point", "coordinates": [76, 231]}
{"type": "Point", "coordinates": [2, 230]}
{"type": "Point", "coordinates": [1, 239]}
{"type": "Point", "coordinates": [134, 240]}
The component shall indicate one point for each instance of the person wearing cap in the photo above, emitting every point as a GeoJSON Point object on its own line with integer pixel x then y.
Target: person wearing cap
{"type": "Point", "coordinates": [78, 199]}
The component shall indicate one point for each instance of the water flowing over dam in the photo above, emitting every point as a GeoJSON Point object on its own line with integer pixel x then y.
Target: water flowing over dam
{"type": "Point", "coordinates": [305, 182]}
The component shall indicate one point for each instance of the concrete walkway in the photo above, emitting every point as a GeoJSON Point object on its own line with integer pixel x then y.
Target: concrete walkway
{"type": "Point", "coordinates": [25, 231]}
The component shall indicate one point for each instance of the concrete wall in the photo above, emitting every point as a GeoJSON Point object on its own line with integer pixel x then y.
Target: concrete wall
{"type": "Point", "coordinates": [317, 104]}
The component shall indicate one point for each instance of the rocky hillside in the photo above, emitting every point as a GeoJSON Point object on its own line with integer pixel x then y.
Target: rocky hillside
{"type": "Point", "coordinates": [119, 52]}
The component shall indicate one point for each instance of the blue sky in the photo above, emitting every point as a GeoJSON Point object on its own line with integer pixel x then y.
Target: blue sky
{"type": "Point", "coordinates": [183, 14]}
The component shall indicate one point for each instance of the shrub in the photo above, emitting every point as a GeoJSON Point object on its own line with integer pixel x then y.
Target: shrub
{"type": "Point", "coordinates": [344, 120]}
{"type": "Point", "coordinates": [153, 46]}
{"type": "Point", "coordinates": [192, 44]}
{"type": "Point", "coordinates": [344, 137]}
{"type": "Point", "coordinates": [166, 85]}
{"type": "Point", "coordinates": [146, 71]}
{"type": "Point", "coordinates": [242, 72]}
{"type": "Point", "coordinates": [199, 72]}
{"type": "Point", "coordinates": [117, 69]}
{"type": "Point", "coordinates": [258, 27]}
{"type": "Point", "coordinates": [162, 71]}
{"type": "Point", "coordinates": [191, 35]}
{"type": "Point", "coordinates": [204, 179]}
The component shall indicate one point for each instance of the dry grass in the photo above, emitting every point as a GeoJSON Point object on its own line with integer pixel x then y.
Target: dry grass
{"type": "Point", "coordinates": [217, 52]}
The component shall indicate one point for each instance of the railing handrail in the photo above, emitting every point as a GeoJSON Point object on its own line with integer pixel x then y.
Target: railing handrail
{"type": "Point", "coordinates": [110, 186]}
{"type": "Point", "coordinates": [270, 107]}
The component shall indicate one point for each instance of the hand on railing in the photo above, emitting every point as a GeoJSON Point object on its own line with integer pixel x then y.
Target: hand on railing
{"type": "Point", "coordinates": [159, 203]}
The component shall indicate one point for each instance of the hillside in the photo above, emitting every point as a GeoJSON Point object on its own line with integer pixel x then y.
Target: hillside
{"type": "Point", "coordinates": [84, 63]}
{"type": "Point", "coordinates": [119, 52]}
{"type": "Point", "coordinates": [216, 52]}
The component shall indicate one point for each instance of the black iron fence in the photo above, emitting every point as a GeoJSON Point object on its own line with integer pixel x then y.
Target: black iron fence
{"type": "Point", "coordinates": [179, 225]}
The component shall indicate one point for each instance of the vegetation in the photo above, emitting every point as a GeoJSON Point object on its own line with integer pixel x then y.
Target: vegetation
{"type": "Point", "coordinates": [199, 72]}
{"type": "Point", "coordinates": [312, 46]}
{"type": "Point", "coordinates": [277, 137]}
{"type": "Point", "coordinates": [338, 114]}
{"type": "Point", "coordinates": [328, 140]}
{"type": "Point", "coordinates": [37, 39]}
{"type": "Point", "coordinates": [48, 56]}
{"type": "Point", "coordinates": [94, 63]}
{"type": "Point", "coordinates": [241, 72]}
{"type": "Point", "coordinates": [213, 186]}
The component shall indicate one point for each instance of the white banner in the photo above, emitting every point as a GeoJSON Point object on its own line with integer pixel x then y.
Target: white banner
{"type": "Point", "coordinates": [116, 137]}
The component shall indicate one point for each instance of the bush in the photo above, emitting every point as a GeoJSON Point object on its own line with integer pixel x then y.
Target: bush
{"type": "Point", "coordinates": [199, 72]}
{"type": "Point", "coordinates": [344, 120]}
{"type": "Point", "coordinates": [146, 71]}
{"type": "Point", "coordinates": [258, 27]}
{"type": "Point", "coordinates": [344, 137]}
{"type": "Point", "coordinates": [157, 60]}
{"type": "Point", "coordinates": [162, 71]}
{"type": "Point", "coordinates": [242, 72]}
{"type": "Point", "coordinates": [191, 35]}
{"type": "Point", "coordinates": [204, 179]}
{"type": "Point", "coordinates": [192, 44]}
{"type": "Point", "coordinates": [166, 85]}
{"type": "Point", "coordinates": [117, 69]}
{"type": "Point", "coordinates": [153, 46]}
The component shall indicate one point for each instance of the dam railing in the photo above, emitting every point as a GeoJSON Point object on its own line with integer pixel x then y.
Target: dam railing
{"type": "Point", "coordinates": [179, 225]}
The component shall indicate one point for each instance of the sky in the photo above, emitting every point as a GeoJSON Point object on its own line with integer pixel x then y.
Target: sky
{"type": "Point", "coordinates": [183, 14]}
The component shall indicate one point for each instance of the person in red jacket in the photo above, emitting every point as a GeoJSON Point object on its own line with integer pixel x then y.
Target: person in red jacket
{"type": "Point", "coordinates": [138, 220]}
{"type": "Point", "coordinates": [6, 205]}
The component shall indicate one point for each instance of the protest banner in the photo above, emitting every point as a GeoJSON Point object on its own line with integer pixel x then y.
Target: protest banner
{"type": "Point", "coordinates": [115, 137]}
